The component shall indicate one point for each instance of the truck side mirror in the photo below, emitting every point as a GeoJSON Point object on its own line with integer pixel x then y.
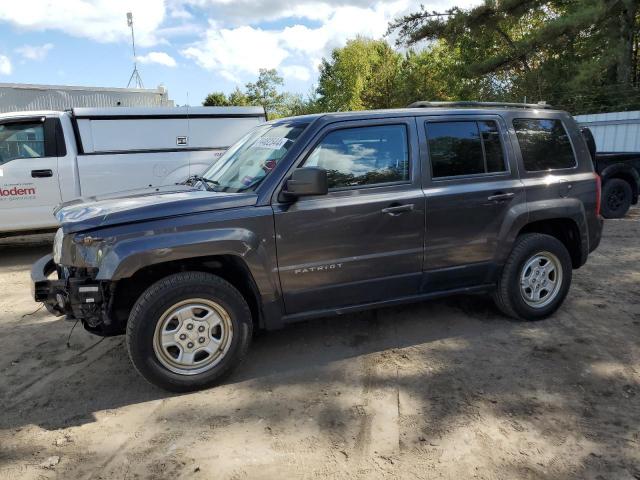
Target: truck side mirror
{"type": "Point", "coordinates": [307, 181]}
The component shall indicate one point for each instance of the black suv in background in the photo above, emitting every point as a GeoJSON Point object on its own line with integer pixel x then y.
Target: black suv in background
{"type": "Point", "coordinates": [328, 214]}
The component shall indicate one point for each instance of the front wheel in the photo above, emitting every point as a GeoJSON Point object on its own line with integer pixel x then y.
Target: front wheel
{"type": "Point", "coordinates": [188, 330]}
{"type": "Point", "coordinates": [536, 278]}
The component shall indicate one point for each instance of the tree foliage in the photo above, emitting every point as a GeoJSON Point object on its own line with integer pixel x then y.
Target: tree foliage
{"type": "Point", "coordinates": [265, 92]}
{"type": "Point", "coordinates": [216, 99]}
{"type": "Point", "coordinates": [579, 54]}
{"type": "Point", "coordinates": [362, 74]}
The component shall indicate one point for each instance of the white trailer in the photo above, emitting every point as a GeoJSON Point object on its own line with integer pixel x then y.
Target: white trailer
{"type": "Point", "coordinates": [51, 157]}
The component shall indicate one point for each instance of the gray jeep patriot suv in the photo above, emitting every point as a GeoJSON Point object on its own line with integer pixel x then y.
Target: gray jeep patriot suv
{"type": "Point", "coordinates": [327, 214]}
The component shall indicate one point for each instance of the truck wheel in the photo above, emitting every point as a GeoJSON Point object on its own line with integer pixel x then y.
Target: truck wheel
{"type": "Point", "coordinates": [616, 198]}
{"type": "Point", "coordinates": [188, 330]}
{"type": "Point", "coordinates": [536, 278]}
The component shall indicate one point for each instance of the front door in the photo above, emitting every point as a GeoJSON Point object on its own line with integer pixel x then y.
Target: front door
{"type": "Point", "coordinates": [363, 241]}
{"type": "Point", "coordinates": [471, 184]}
{"type": "Point", "coordinates": [29, 189]}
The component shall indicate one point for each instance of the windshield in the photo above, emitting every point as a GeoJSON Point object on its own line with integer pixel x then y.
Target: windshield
{"type": "Point", "coordinates": [247, 163]}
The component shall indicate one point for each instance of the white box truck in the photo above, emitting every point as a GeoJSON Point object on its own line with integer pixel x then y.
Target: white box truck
{"type": "Point", "coordinates": [51, 157]}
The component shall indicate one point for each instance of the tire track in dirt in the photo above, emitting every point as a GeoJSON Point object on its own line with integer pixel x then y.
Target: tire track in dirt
{"type": "Point", "coordinates": [378, 435]}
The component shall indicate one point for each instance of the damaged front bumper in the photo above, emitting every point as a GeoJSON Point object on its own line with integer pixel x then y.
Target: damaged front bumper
{"type": "Point", "coordinates": [75, 294]}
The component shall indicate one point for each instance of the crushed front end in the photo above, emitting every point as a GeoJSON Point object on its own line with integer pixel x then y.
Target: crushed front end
{"type": "Point", "coordinates": [74, 292]}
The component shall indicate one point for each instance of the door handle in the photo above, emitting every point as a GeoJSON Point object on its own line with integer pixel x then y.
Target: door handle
{"type": "Point", "coordinates": [41, 173]}
{"type": "Point", "coordinates": [499, 197]}
{"type": "Point", "coordinates": [398, 209]}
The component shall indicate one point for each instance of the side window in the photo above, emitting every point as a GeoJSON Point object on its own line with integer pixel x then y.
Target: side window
{"type": "Point", "coordinates": [464, 148]}
{"type": "Point", "coordinates": [363, 156]}
{"type": "Point", "coordinates": [21, 140]}
{"type": "Point", "coordinates": [544, 144]}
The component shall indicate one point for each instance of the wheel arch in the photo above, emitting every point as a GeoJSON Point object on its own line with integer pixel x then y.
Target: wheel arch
{"type": "Point", "coordinates": [566, 230]}
{"type": "Point", "coordinates": [230, 267]}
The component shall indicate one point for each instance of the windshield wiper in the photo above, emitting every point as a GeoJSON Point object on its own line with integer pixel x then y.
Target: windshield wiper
{"type": "Point", "coordinates": [193, 179]}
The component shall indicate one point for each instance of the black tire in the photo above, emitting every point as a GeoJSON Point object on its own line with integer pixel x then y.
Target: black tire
{"type": "Point", "coordinates": [161, 297]}
{"type": "Point", "coordinates": [508, 296]}
{"type": "Point", "coordinates": [616, 198]}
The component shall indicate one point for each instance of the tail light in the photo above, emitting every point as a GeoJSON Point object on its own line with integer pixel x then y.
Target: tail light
{"type": "Point", "coordinates": [598, 193]}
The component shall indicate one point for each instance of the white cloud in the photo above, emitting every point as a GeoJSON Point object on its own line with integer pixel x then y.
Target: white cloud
{"type": "Point", "coordinates": [5, 65]}
{"type": "Point", "coordinates": [35, 52]}
{"type": "Point", "coordinates": [161, 58]}
{"type": "Point", "coordinates": [178, 11]}
{"type": "Point", "coordinates": [235, 46]}
{"type": "Point", "coordinates": [99, 20]}
{"type": "Point", "coordinates": [297, 72]}
{"type": "Point", "coordinates": [233, 52]}
{"type": "Point", "coordinates": [252, 12]}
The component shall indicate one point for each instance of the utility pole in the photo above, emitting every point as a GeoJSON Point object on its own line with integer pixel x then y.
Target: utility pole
{"type": "Point", "coordinates": [135, 76]}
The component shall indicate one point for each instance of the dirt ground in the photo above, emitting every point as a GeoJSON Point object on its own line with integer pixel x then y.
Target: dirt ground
{"type": "Point", "coordinates": [443, 389]}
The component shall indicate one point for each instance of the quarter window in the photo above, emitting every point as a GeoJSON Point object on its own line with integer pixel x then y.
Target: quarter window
{"type": "Point", "coordinates": [363, 156]}
{"type": "Point", "coordinates": [21, 140]}
{"type": "Point", "coordinates": [464, 148]}
{"type": "Point", "coordinates": [544, 144]}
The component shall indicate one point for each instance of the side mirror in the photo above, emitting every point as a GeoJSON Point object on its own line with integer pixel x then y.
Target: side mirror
{"type": "Point", "coordinates": [307, 181]}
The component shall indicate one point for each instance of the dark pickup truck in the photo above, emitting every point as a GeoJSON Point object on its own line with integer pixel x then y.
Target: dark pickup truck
{"type": "Point", "coordinates": [328, 214]}
{"type": "Point", "coordinates": [620, 174]}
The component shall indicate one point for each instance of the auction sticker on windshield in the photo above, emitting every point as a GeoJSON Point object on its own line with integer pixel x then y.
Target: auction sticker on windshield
{"type": "Point", "coordinates": [272, 143]}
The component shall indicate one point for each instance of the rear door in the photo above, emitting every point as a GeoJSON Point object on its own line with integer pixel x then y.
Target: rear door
{"type": "Point", "coordinates": [471, 184]}
{"type": "Point", "coordinates": [363, 241]}
{"type": "Point", "coordinates": [29, 188]}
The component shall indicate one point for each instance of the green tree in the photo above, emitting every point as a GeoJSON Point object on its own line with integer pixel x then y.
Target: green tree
{"type": "Point", "coordinates": [216, 99]}
{"type": "Point", "coordinates": [362, 74]}
{"type": "Point", "coordinates": [238, 98]}
{"type": "Point", "coordinates": [265, 90]}
{"type": "Point", "coordinates": [437, 73]}
{"type": "Point", "coordinates": [579, 54]}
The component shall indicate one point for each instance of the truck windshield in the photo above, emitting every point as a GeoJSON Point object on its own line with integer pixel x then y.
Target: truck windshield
{"type": "Point", "coordinates": [247, 163]}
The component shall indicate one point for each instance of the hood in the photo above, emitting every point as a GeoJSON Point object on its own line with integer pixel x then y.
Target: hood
{"type": "Point", "coordinates": [146, 204]}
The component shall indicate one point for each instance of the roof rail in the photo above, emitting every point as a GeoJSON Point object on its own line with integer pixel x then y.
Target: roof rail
{"type": "Point", "coordinates": [427, 104]}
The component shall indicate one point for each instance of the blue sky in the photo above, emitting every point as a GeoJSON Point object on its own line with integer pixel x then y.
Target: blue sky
{"type": "Point", "coordinates": [192, 47]}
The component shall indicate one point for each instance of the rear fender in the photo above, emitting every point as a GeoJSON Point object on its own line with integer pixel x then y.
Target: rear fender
{"type": "Point", "coordinates": [516, 218]}
{"type": "Point", "coordinates": [562, 209]}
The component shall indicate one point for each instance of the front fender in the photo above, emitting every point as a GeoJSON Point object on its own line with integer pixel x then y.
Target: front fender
{"type": "Point", "coordinates": [128, 256]}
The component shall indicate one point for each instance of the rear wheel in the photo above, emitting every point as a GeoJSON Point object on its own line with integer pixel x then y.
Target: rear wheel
{"type": "Point", "coordinates": [536, 278]}
{"type": "Point", "coordinates": [616, 198]}
{"type": "Point", "coordinates": [187, 331]}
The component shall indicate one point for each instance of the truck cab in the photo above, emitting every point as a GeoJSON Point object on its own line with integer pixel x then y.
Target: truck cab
{"type": "Point", "coordinates": [31, 144]}
{"type": "Point", "coordinates": [49, 157]}
{"type": "Point", "coordinates": [328, 214]}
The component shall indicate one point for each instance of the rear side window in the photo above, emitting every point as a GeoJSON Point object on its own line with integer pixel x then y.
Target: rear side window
{"type": "Point", "coordinates": [363, 156]}
{"type": "Point", "coordinates": [464, 148]}
{"type": "Point", "coordinates": [544, 144]}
